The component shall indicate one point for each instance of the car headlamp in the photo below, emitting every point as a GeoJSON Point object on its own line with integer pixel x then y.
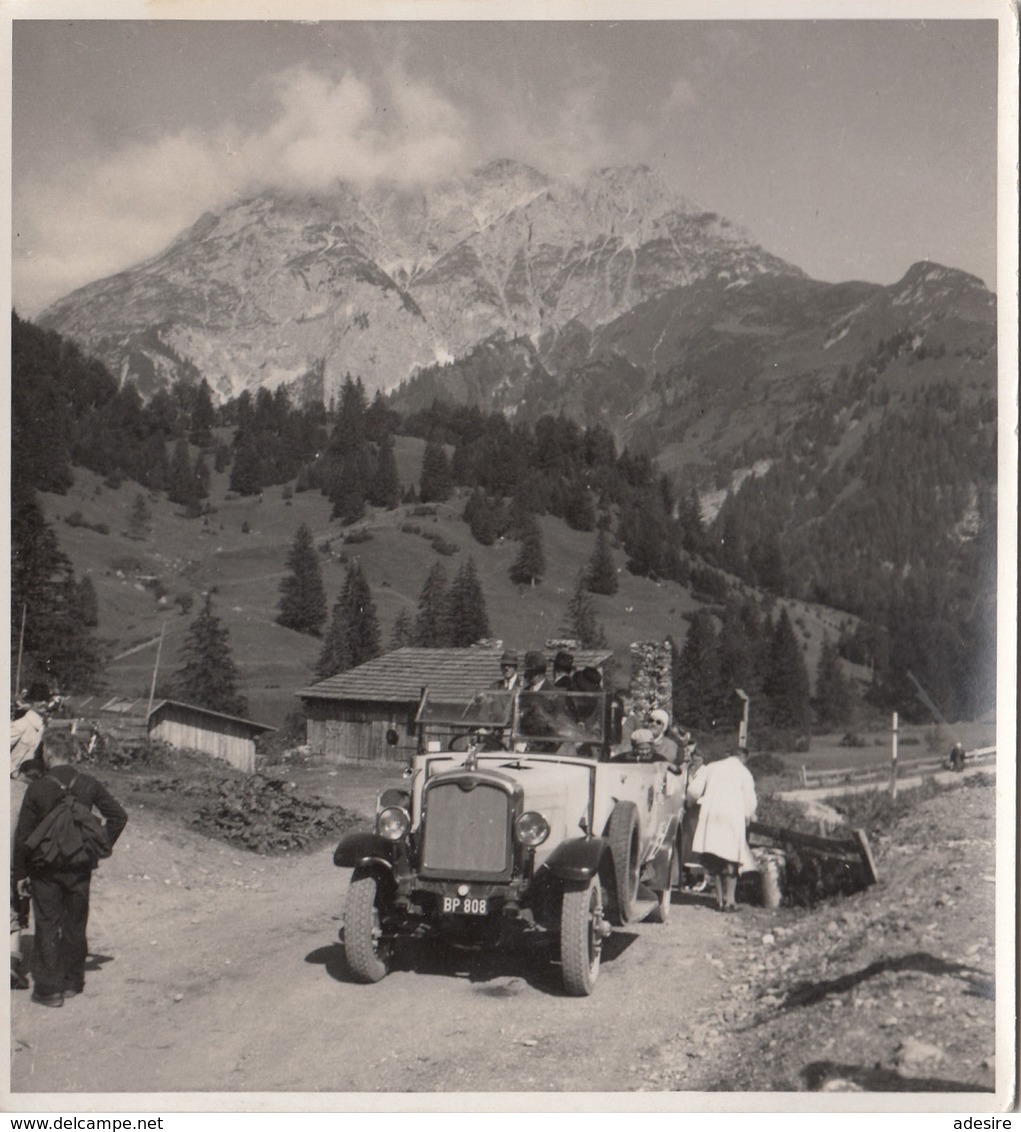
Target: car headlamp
{"type": "Point", "coordinates": [393, 823]}
{"type": "Point", "coordinates": [531, 829]}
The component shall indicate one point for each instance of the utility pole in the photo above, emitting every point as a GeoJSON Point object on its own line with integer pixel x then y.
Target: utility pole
{"type": "Point", "coordinates": [155, 670]}
{"type": "Point", "coordinates": [742, 730]}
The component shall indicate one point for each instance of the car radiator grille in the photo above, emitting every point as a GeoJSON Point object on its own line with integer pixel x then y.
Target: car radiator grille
{"type": "Point", "coordinates": [466, 831]}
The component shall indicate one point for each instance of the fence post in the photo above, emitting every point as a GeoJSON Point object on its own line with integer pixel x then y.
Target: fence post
{"type": "Point", "coordinates": [893, 759]}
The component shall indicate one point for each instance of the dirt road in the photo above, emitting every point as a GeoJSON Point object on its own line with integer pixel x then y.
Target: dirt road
{"type": "Point", "coordinates": [221, 971]}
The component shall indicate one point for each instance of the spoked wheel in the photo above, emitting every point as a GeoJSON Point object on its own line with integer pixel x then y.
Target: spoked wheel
{"type": "Point", "coordinates": [367, 952]}
{"type": "Point", "coordinates": [622, 833]}
{"type": "Point", "coordinates": [581, 937]}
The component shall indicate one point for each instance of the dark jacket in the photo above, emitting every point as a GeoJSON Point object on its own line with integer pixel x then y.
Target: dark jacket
{"type": "Point", "coordinates": [43, 794]}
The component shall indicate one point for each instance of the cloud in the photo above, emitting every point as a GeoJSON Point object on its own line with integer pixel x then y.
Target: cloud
{"type": "Point", "coordinates": [115, 209]}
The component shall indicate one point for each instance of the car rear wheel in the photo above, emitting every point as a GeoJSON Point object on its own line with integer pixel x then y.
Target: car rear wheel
{"type": "Point", "coordinates": [581, 937]}
{"type": "Point", "coordinates": [367, 952]}
{"type": "Point", "coordinates": [622, 834]}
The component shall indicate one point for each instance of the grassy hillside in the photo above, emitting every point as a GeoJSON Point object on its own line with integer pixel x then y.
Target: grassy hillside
{"type": "Point", "coordinates": [141, 582]}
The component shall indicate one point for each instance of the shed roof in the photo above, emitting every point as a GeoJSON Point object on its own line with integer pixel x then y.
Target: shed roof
{"type": "Point", "coordinates": [455, 674]}
{"type": "Point", "coordinates": [139, 709]}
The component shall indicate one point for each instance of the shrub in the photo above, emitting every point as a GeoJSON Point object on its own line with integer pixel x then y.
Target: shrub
{"type": "Point", "coordinates": [362, 535]}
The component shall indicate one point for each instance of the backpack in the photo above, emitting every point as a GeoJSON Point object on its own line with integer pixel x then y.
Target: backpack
{"type": "Point", "coordinates": [69, 836]}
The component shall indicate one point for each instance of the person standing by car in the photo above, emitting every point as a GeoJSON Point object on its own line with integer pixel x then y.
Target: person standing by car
{"type": "Point", "coordinates": [509, 677]}
{"type": "Point", "coordinates": [725, 791]}
{"type": "Point", "coordinates": [60, 896]}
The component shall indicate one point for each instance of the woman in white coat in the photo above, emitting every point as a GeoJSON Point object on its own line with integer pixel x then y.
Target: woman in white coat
{"type": "Point", "coordinates": [725, 791]}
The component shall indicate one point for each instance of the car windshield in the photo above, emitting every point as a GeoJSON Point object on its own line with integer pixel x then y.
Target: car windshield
{"type": "Point", "coordinates": [485, 709]}
{"type": "Point", "coordinates": [560, 716]}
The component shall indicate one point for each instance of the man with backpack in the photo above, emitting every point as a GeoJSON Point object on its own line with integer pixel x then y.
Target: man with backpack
{"type": "Point", "coordinates": [58, 842]}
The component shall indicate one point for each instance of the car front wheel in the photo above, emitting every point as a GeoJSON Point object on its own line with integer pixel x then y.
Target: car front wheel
{"type": "Point", "coordinates": [622, 834]}
{"type": "Point", "coordinates": [581, 937]}
{"type": "Point", "coordinates": [366, 951]}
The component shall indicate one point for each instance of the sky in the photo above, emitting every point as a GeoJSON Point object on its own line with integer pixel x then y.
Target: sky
{"type": "Point", "coordinates": [852, 149]}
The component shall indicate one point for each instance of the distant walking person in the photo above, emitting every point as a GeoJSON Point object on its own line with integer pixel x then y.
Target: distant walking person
{"type": "Point", "coordinates": [725, 791]}
{"type": "Point", "coordinates": [957, 757]}
{"type": "Point", "coordinates": [60, 895]}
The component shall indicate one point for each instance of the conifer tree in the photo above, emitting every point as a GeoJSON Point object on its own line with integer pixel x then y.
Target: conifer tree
{"type": "Point", "coordinates": [385, 488]}
{"type": "Point", "coordinates": [208, 677]}
{"type": "Point", "coordinates": [353, 635]}
{"type": "Point", "coordinates": [431, 628]}
{"type": "Point", "coordinates": [467, 619]}
{"type": "Point", "coordinates": [247, 471]}
{"type": "Point", "coordinates": [302, 597]}
{"type": "Point", "coordinates": [786, 682]}
{"type": "Point", "coordinates": [478, 514]}
{"type": "Point", "coordinates": [436, 482]}
{"type": "Point", "coordinates": [203, 414]}
{"type": "Point", "coordinates": [530, 564]}
{"type": "Point", "coordinates": [696, 676]}
{"type": "Point", "coordinates": [140, 519]}
{"type": "Point", "coordinates": [87, 603]}
{"type": "Point", "coordinates": [832, 691]}
{"type": "Point", "coordinates": [601, 577]}
{"type": "Point", "coordinates": [403, 632]}
{"type": "Point", "coordinates": [183, 486]}
{"type": "Point", "coordinates": [580, 622]}
{"type": "Point", "coordinates": [201, 474]}
{"type": "Point", "coordinates": [57, 640]}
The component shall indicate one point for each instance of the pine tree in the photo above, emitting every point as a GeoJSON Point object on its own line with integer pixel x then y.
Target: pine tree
{"type": "Point", "coordinates": [786, 682]}
{"type": "Point", "coordinates": [208, 677]}
{"type": "Point", "coordinates": [87, 603]}
{"type": "Point", "coordinates": [436, 482]}
{"type": "Point", "coordinates": [57, 640]}
{"type": "Point", "coordinates": [246, 474]}
{"type": "Point", "coordinates": [431, 628]}
{"type": "Point", "coordinates": [403, 633]}
{"type": "Point", "coordinates": [201, 475]}
{"type": "Point", "coordinates": [353, 635]}
{"type": "Point", "coordinates": [140, 519]}
{"type": "Point", "coordinates": [580, 622]}
{"type": "Point", "coordinates": [203, 414]}
{"type": "Point", "coordinates": [696, 676]}
{"type": "Point", "coordinates": [601, 577]}
{"type": "Point", "coordinates": [467, 620]}
{"type": "Point", "coordinates": [385, 488]}
{"type": "Point", "coordinates": [832, 691]}
{"type": "Point", "coordinates": [182, 487]}
{"type": "Point", "coordinates": [530, 564]}
{"type": "Point", "coordinates": [302, 597]}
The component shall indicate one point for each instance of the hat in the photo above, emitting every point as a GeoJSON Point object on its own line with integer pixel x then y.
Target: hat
{"type": "Point", "coordinates": [641, 736]}
{"type": "Point", "coordinates": [509, 657]}
{"type": "Point", "coordinates": [587, 680]}
{"type": "Point", "coordinates": [564, 661]}
{"type": "Point", "coordinates": [535, 661]}
{"type": "Point", "coordinates": [660, 716]}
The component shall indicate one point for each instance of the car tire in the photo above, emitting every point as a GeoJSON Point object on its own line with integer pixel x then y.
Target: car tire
{"type": "Point", "coordinates": [622, 834]}
{"type": "Point", "coordinates": [581, 937]}
{"type": "Point", "coordinates": [367, 953]}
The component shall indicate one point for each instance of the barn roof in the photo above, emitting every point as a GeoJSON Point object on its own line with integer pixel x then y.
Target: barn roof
{"type": "Point", "coordinates": [452, 674]}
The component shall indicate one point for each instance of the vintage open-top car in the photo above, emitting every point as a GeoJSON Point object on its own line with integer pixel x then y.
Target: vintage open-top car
{"type": "Point", "coordinates": [517, 819]}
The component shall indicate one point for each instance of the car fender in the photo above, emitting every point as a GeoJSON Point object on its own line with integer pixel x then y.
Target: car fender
{"type": "Point", "coordinates": [365, 851]}
{"type": "Point", "coordinates": [578, 859]}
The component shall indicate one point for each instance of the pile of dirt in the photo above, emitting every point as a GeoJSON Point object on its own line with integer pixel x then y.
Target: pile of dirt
{"type": "Point", "coordinates": [259, 812]}
{"type": "Point", "coordinates": [890, 989]}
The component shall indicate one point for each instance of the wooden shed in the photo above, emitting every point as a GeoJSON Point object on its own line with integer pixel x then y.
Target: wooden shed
{"type": "Point", "coordinates": [226, 737]}
{"type": "Point", "coordinates": [350, 715]}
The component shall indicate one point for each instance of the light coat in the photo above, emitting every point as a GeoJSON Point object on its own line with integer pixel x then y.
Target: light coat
{"type": "Point", "coordinates": [725, 791]}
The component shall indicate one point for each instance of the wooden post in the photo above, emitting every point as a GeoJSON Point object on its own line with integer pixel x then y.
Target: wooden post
{"type": "Point", "coordinates": [21, 646]}
{"type": "Point", "coordinates": [893, 759]}
{"type": "Point", "coordinates": [152, 689]}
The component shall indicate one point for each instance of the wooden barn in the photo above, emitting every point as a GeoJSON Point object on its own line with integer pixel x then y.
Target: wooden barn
{"type": "Point", "coordinates": [350, 715]}
{"type": "Point", "coordinates": [187, 726]}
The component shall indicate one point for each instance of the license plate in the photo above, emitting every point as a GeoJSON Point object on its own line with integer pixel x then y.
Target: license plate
{"type": "Point", "coordinates": [465, 905]}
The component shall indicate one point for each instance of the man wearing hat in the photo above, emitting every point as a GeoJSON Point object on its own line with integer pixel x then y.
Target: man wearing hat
{"type": "Point", "coordinates": [563, 667]}
{"type": "Point", "coordinates": [535, 710]}
{"type": "Point", "coordinates": [641, 748]}
{"type": "Point", "coordinates": [665, 747]}
{"type": "Point", "coordinates": [535, 670]}
{"type": "Point", "coordinates": [509, 677]}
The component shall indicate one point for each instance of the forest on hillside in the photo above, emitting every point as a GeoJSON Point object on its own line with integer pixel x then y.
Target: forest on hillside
{"type": "Point", "coordinates": [901, 535]}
